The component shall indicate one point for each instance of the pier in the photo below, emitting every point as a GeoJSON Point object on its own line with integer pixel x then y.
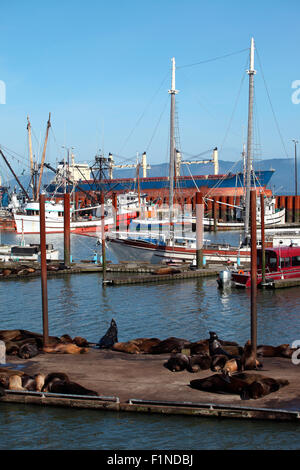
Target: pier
{"type": "Point", "coordinates": [141, 383]}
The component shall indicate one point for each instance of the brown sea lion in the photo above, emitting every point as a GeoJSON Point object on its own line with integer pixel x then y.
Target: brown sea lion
{"type": "Point", "coordinates": [283, 350]}
{"type": "Point", "coordinates": [53, 376]}
{"type": "Point", "coordinates": [70, 388]}
{"type": "Point", "coordinates": [177, 362]}
{"type": "Point", "coordinates": [168, 270]}
{"type": "Point", "coordinates": [12, 348]}
{"type": "Point", "coordinates": [6, 272]}
{"type": "Point", "coordinates": [248, 359]}
{"type": "Point", "coordinates": [81, 342]}
{"type": "Point", "coordinates": [146, 345]}
{"type": "Point", "coordinates": [28, 350]}
{"type": "Point", "coordinates": [261, 387]}
{"type": "Point", "coordinates": [199, 362]}
{"type": "Point", "coordinates": [15, 383]}
{"type": "Point", "coordinates": [231, 366]}
{"type": "Point", "coordinates": [10, 335]}
{"type": "Point", "coordinates": [128, 347]}
{"type": "Point", "coordinates": [218, 361]}
{"type": "Point", "coordinates": [199, 347]}
{"type": "Point", "coordinates": [66, 339]}
{"type": "Point", "coordinates": [170, 345]}
{"type": "Point", "coordinates": [65, 349]}
{"type": "Point", "coordinates": [4, 380]}
{"type": "Point", "coordinates": [218, 384]}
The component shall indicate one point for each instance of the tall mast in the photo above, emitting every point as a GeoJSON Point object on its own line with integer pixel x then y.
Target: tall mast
{"type": "Point", "coordinates": [43, 157]}
{"type": "Point", "coordinates": [172, 92]}
{"type": "Point", "coordinates": [251, 72]}
{"type": "Point", "coordinates": [30, 155]}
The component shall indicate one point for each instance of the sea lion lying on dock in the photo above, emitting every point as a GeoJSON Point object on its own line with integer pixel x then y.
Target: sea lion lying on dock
{"type": "Point", "coordinates": [178, 362]}
{"type": "Point", "coordinates": [110, 337]}
{"type": "Point", "coordinates": [168, 270]}
{"type": "Point", "coordinates": [283, 350]}
{"type": "Point", "coordinates": [59, 382]}
{"type": "Point", "coordinates": [137, 346]}
{"type": "Point", "coordinates": [68, 348]}
{"type": "Point", "coordinates": [170, 345]}
{"type": "Point", "coordinates": [247, 386]}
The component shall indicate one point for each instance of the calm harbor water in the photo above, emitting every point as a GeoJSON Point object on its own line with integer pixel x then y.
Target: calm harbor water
{"type": "Point", "coordinates": [79, 305]}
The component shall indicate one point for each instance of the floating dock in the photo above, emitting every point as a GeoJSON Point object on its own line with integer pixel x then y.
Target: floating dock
{"type": "Point", "coordinates": [141, 383]}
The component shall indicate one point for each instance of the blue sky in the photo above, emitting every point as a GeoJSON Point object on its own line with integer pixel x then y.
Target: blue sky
{"type": "Point", "coordinates": [103, 71]}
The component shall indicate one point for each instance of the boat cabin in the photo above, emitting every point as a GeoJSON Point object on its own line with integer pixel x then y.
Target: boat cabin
{"type": "Point", "coordinates": [279, 258]}
{"type": "Point", "coordinates": [282, 262]}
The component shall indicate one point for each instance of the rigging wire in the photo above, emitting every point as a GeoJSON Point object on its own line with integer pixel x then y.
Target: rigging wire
{"type": "Point", "coordinates": [213, 59]}
{"type": "Point", "coordinates": [271, 105]}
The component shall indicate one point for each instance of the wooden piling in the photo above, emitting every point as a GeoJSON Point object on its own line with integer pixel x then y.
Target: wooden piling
{"type": "Point", "coordinates": [199, 229]}
{"type": "Point", "coordinates": [262, 227]}
{"type": "Point", "coordinates": [253, 271]}
{"type": "Point", "coordinates": [44, 270]}
{"type": "Point", "coordinates": [67, 243]}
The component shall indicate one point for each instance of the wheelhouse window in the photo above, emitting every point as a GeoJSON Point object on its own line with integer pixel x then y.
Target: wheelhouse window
{"type": "Point", "coordinates": [296, 260]}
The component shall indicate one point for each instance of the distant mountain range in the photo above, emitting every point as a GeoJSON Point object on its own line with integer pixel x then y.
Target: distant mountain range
{"type": "Point", "coordinates": [282, 181]}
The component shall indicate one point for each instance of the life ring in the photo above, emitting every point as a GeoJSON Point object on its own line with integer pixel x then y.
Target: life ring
{"type": "Point", "coordinates": [241, 271]}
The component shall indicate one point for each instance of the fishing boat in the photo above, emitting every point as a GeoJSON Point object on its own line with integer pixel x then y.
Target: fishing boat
{"type": "Point", "coordinates": [24, 253]}
{"type": "Point", "coordinates": [282, 262]}
{"type": "Point", "coordinates": [128, 206]}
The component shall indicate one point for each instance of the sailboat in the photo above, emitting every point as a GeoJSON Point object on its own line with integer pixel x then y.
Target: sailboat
{"type": "Point", "coordinates": [157, 247]}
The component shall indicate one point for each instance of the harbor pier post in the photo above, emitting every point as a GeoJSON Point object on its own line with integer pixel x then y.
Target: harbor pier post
{"type": "Point", "coordinates": [263, 246]}
{"type": "Point", "coordinates": [199, 229]}
{"type": "Point", "coordinates": [103, 237]}
{"type": "Point", "coordinates": [253, 271]}
{"type": "Point", "coordinates": [44, 270]}
{"type": "Point", "coordinates": [67, 243]}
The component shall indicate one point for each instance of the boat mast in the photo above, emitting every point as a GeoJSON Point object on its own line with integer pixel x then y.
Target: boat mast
{"type": "Point", "coordinates": [251, 72]}
{"type": "Point", "coordinates": [172, 92]}
{"type": "Point", "coordinates": [43, 157]}
{"type": "Point", "coordinates": [30, 155]}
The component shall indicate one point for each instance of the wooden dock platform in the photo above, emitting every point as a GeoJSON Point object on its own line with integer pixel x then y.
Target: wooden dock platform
{"type": "Point", "coordinates": [141, 383]}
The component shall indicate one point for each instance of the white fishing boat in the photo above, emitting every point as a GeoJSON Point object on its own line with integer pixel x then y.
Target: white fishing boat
{"type": "Point", "coordinates": [128, 206]}
{"type": "Point", "coordinates": [24, 253]}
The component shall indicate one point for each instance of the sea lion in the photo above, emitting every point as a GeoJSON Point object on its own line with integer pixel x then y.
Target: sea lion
{"type": "Point", "coordinates": [231, 366]}
{"type": "Point", "coordinates": [261, 387]}
{"type": "Point", "coordinates": [68, 348]}
{"type": "Point", "coordinates": [218, 361]}
{"type": "Point", "coordinates": [81, 342]}
{"type": "Point", "coordinates": [218, 384]}
{"type": "Point", "coordinates": [199, 362]}
{"type": "Point", "coordinates": [54, 376]}
{"type": "Point", "coordinates": [6, 272]}
{"type": "Point", "coordinates": [15, 383]}
{"type": "Point", "coordinates": [28, 383]}
{"type": "Point", "coordinates": [177, 362]}
{"type": "Point", "coordinates": [215, 347]}
{"type": "Point", "coordinates": [146, 345]}
{"type": "Point", "coordinates": [170, 345]}
{"type": "Point", "coordinates": [128, 347]}
{"type": "Point", "coordinates": [66, 339]}
{"type": "Point", "coordinates": [168, 270]}
{"type": "Point", "coordinates": [199, 347]}
{"type": "Point", "coordinates": [28, 350]}
{"type": "Point", "coordinates": [110, 337]}
{"type": "Point", "coordinates": [39, 382]}
{"type": "Point", "coordinates": [69, 388]}
{"type": "Point", "coordinates": [283, 350]}
{"type": "Point", "coordinates": [12, 348]}
{"type": "Point", "coordinates": [9, 335]}
{"type": "Point", "coordinates": [248, 359]}
{"type": "Point", "coordinates": [4, 380]}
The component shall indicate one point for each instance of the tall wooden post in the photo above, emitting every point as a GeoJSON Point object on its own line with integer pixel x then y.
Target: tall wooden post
{"type": "Point", "coordinates": [44, 271]}
{"type": "Point", "coordinates": [103, 237]}
{"type": "Point", "coordinates": [253, 271]}
{"type": "Point", "coordinates": [67, 244]}
{"type": "Point", "coordinates": [199, 229]}
{"type": "Point", "coordinates": [263, 245]}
